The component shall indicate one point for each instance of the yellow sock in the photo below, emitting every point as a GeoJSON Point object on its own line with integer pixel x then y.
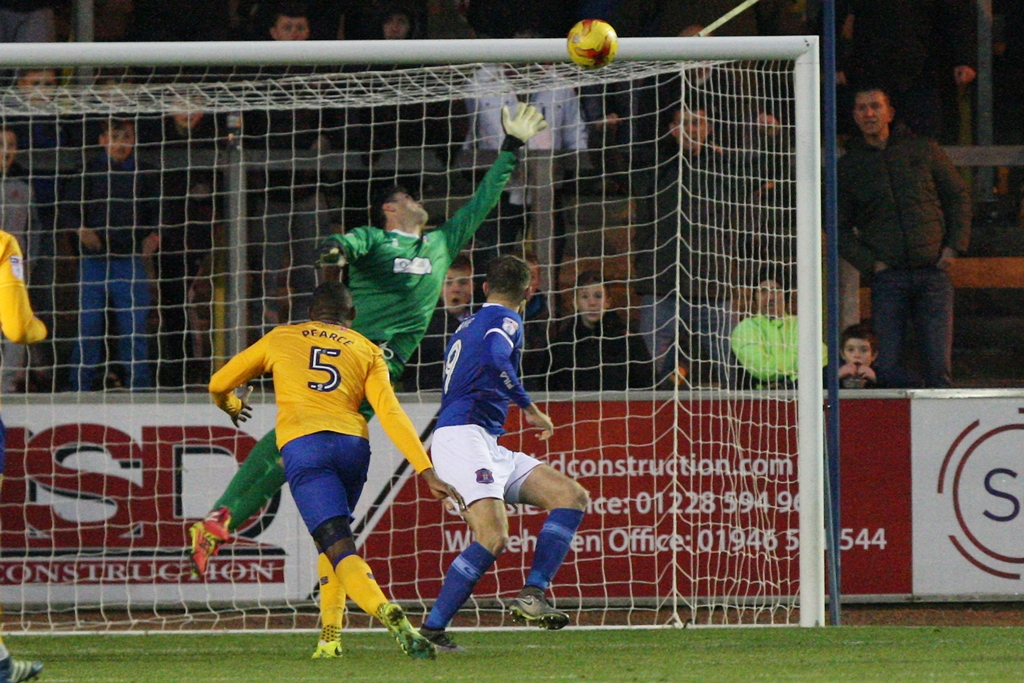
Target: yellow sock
{"type": "Point", "coordinates": [332, 601]}
{"type": "Point", "coordinates": [358, 582]}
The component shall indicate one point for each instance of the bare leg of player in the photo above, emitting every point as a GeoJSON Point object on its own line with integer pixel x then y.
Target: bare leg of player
{"type": "Point", "coordinates": [487, 518]}
{"type": "Point", "coordinates": [566, 502]}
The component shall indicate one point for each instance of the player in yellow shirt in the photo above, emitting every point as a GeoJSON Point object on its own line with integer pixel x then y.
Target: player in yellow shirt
{"type": "Point", "coordinates": [322, 371]}
{"type": "Point", "coordinates": [21, 326]}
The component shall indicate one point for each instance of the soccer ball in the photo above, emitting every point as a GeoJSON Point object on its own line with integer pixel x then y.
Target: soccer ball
{"type": "Point", "coordinates": [592, 43]}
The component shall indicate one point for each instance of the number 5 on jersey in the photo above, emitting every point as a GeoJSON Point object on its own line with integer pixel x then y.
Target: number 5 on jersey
{"type": "Point", "coordinates": [316, 363]}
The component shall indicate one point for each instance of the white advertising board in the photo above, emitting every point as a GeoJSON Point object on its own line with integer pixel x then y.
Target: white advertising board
{"type": "Point", "coordinates": [968, 489]}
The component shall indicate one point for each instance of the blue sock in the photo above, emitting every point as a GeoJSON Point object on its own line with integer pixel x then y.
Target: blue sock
{"type": "Point", "coordinates": [553, 543]}
{"type": "Point", "coordinates": [465, 571]}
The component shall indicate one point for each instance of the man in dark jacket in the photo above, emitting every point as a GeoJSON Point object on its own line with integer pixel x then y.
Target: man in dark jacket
{"type": "Point", "coordinates": [904, 215]}
{"type": "Point", "coordinates": [114, 208]}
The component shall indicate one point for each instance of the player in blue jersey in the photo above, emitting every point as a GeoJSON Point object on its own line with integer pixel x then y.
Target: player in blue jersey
{"type": "Point", "coordinates": [480, 379]}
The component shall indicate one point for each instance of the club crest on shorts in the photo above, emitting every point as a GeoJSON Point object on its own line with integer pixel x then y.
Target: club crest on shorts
{"type": "Point", "coordinates": [484, 476]}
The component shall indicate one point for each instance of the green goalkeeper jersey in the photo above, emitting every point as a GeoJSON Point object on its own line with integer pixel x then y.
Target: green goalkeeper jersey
{"type": "Point", "coordinates": [396, 277]}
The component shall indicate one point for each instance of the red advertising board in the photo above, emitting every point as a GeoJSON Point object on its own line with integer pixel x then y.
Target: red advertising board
{"type": "Point", "coordinates": [875, 514]}
{"type": "Point", "coordinates": [694, 497]}
{"type": "Point", "coordinates": [708, 507]}
{"type": "Point", "coordinates": [688, 498]}
{"type": "Point", "coordinates": [126, 524]}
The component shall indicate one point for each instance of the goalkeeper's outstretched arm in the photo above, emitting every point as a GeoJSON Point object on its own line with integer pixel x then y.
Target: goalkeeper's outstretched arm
{"type": "Point", "coordinates": [521, 126]}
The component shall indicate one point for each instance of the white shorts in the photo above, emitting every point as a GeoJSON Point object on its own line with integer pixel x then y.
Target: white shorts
{"type": "Point", "coordinates": [470, 459]}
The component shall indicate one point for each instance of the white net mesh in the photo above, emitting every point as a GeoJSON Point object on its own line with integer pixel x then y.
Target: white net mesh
{"type": "Point", "coordinates": [658, 210]}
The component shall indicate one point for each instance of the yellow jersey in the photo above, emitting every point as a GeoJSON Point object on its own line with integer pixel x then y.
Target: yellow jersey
{"type": "Point", "coordinates": [322, 372]}
{"type": "Point", "coordinates": [17, 320]}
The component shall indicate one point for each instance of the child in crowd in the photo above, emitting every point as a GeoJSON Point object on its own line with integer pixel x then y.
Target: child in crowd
{"type": "Point", "coordinates": [593, 351]}
{"type": "Point", "coordinates": [858, 347]}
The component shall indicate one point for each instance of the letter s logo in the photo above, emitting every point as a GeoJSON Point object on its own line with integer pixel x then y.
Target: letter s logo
{"type": "Point", "coordinates": [1001, 494]}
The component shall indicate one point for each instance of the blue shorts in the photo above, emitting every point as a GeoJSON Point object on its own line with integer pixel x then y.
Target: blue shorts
{"type": "Point", "coordinates": [326, 472]}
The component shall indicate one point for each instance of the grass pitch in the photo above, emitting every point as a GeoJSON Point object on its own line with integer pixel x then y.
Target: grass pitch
{"type": "Point", "coordinates": [527, 656]}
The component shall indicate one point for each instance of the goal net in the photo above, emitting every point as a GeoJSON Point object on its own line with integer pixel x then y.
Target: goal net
{"type": "Point", "coordinates": [171, 210]}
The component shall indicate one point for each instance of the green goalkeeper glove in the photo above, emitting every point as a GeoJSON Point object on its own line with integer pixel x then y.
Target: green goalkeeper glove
{"type": "Point", "coordinates": [521, 126]}
{"type": "Point", "coordinates": [331, 253]}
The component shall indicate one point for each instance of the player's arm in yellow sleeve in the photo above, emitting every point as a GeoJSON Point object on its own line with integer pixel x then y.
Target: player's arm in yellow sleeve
{"type": "Point", "coordinates": [399, 429]}
{"type": "Point", "coordinates": [248, 364]}
{"type": "Point", "coordinates": [393, 419]}
{"type": "Point", "coordinates": [17, 320]}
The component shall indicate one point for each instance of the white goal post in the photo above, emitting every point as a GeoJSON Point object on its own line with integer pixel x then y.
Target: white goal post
{"type": "Point", "coordinates": [691, 522]}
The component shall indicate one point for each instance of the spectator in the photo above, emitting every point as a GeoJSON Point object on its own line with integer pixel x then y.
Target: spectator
{"type": "Point", "coordinates": [27, 21]}
{"type": "Point", "coordinates": [334, 20]}
{"type": "Point", "coordinates": [428, 129]}
{"type": "Point", "coordinates": [54, 287]}
{"type": "Point", "coordinates": [18, 218]}
{"type": "Point", "coordinates": [561, 108]}
{"type": "Point", "coordinates": [767, 343]}
{"type": "Point", "coordinates": [399, 23]}
{"type": "Point", "coordinates": [536, 358]}
{"type": "Point", "coordinates": [425, 369]}
{"type": "Point", "coordinates": [115, 206]}
{"type": "Point", "coordinates": [901, 48]}
{"type": "Point", "coordinates": [1007, 97]}
{"type": "Point", "coordinates": [593, 351]}
{"type": "Point", "coordinates": [363, 19]}
{"type": "Point", "coordinates": [289, 208]}
{"type": "Point", "coordinates": [858, 347]}
{"type": "Point", "coordinates": [692, 239]}
{"type": "Point", "coordinates": [183, 145]}
{"type": "Point", "coordinates": [17, 212]}
{"type": "Point", "coordinates": [35, 88]}
{"type": "Point", "coordinates": [904, 215]}
{"type": "Point", "coordinates": [290, 22]}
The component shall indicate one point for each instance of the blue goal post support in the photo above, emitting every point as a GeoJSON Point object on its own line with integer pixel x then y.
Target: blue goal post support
{"type": "Point", "coordinates": [833, 508]}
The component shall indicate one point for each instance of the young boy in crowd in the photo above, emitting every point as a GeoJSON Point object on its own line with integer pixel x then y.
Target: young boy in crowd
{"type": "Point", "coordinates": [858, 347]}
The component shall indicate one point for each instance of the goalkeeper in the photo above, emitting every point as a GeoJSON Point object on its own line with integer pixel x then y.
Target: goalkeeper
{"type": "Point", "coordinates": [395, 273]}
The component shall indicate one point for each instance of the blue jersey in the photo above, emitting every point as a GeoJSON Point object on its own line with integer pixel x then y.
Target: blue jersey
{"type": "Point", "coordinates": [480, 370]}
